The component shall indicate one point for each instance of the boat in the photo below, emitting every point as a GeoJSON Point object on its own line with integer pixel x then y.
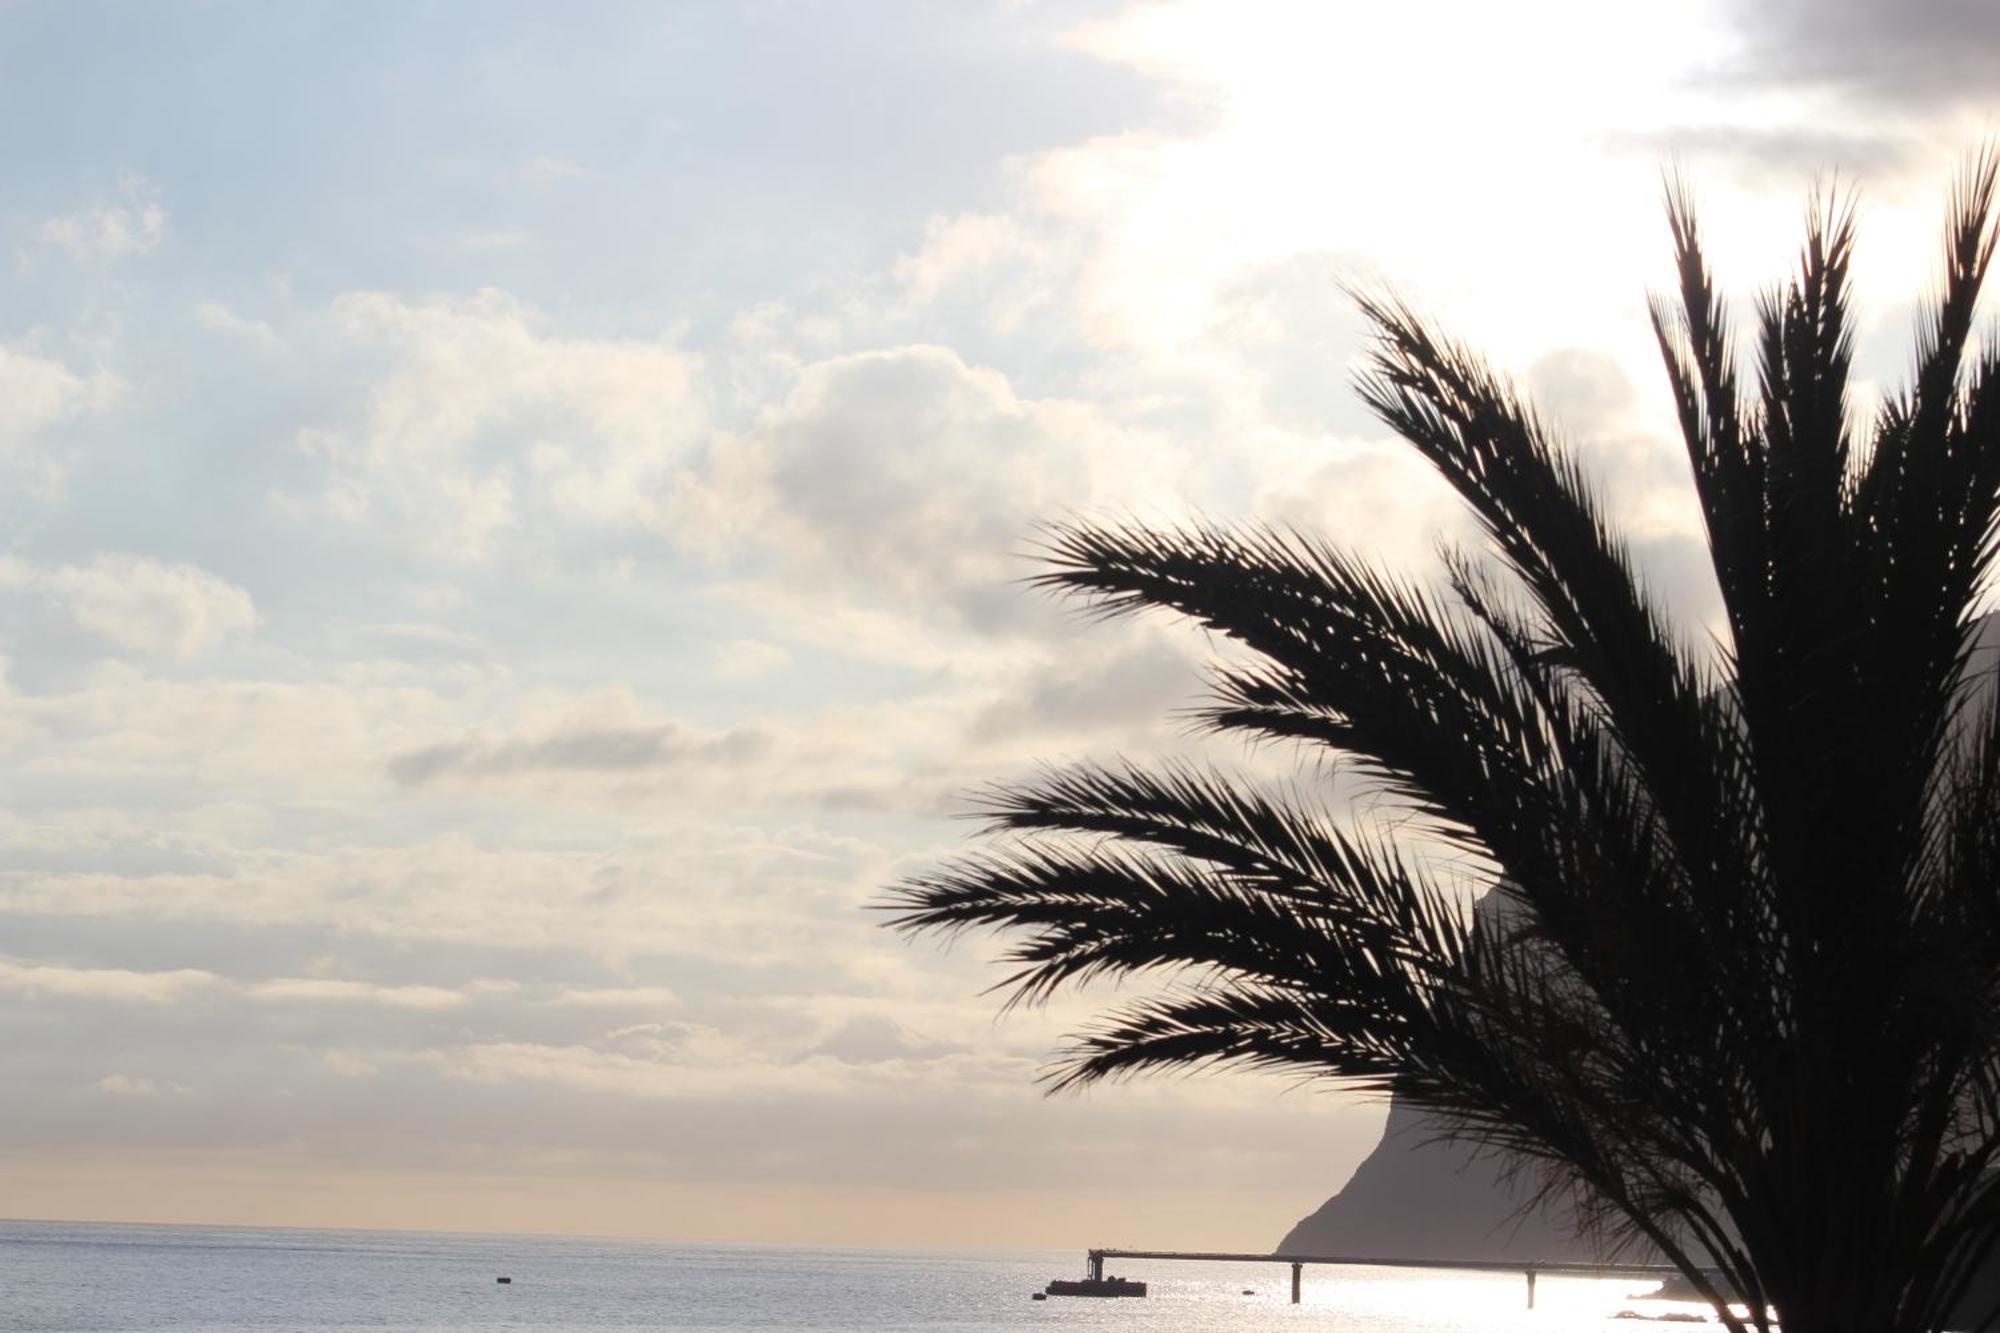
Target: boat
{"type": "Point", "coordinates": [1096, 1286]}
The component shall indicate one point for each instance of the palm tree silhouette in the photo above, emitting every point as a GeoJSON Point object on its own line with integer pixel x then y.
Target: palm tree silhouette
{"type": "Point", "coordinates": [1735, 991]}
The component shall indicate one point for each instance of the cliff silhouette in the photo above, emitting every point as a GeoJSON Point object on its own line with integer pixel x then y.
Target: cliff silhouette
{"type": "Point", "coordinates": [1423, 1195]}
{"type": "Point", "coordinates": [1418, 1196]}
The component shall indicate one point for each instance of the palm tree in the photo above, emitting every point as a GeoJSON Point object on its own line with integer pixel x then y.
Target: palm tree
{"type": "Point", "coordinates": [1739, 996]}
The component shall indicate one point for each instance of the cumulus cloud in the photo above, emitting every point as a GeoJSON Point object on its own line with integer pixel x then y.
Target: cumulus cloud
{"type": "Point", "coordinates": [1129, 684]}
{"type": "Point", "coordinates": [151, 606]}
{"type": "Point", "coordinates": [37, 393]}
{"type": "Point", "coordinates": [479, 423]}
{"type": "Point", "coordinates": [219, 318]}
{"type": "Point", "coordinates": [133, 223]}
{"type": "Point", "coordinates": [139, 604]}
{"type": "Point", "coordinates": [740, 659]}
{"type": "Point", "coordinates": [907, 479]}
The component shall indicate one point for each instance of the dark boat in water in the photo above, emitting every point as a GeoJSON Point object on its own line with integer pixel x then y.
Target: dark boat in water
{"type": "Point", "coordinates": [1096, 1286]}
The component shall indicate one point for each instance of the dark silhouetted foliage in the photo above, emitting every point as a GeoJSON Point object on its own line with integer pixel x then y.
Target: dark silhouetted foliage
{"type": "Point", "coordinates": [1739, 995]}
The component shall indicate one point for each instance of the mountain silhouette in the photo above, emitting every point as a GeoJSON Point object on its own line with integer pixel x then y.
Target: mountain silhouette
{"type": "Point", "coordinates": [1420, 1196]}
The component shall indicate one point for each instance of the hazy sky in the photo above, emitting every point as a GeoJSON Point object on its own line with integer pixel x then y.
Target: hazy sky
{"type": "Point", "coordinates": [512, 515]}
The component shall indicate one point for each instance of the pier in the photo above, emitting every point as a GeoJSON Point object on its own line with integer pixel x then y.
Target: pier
{"type": "Point", "coordinates": [1298, 1262]}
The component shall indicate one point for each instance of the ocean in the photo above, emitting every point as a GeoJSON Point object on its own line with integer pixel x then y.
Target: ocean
{"type": "Point", "coordinates": [106, 1277]}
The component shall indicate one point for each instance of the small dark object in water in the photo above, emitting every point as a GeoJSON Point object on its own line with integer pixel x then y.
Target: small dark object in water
{"type": "Point", "coordinates": [1248, 1292]}
{"type": "Point", "coordinates": [1039, 1296]}
{"type": "Point", "coordinates": [1670, 1317]}
{"type": "Point", "coordinates": [503, 1281]}
{"type": "Point", "coordinates": [1096, 1286]}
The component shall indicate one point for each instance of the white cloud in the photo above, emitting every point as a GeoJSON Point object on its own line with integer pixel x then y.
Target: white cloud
{"type": "Point", "coordinates": [605, 733]}
{"type": "Point", "coordinates": [696, 885]}
{"type": "Point", "coordinates": [326, 990]}
{"type": "Point", "coordinates": [219, 318]}
{"type": "Point", "coordinates": [134, 224]}
{"type": "Point", "coordinates": [994, 271]}
{"type": "Point", "coordinates": [905, 478]}
{"type": "Point", "coordinates": [868, 1039]}
{"type": "Point", "coordinates": [134, 1085]}
{"type": "Point", "coordinates": [50, 980]}
{"type": "Point", "coordinates": [230, 743]}
{"type": "Point", "coordinates": [37, 393]}
{"type": "Point", "coordinates": [740, 659]}
{"type": "Point", "coordinates": [695, 1063]}
{"type": "Point", "coordinates": [140, 604]}
{"type": "Point", "coordinates": [479, 424]}
{"type": "Point", "coordinates": [617, 997]}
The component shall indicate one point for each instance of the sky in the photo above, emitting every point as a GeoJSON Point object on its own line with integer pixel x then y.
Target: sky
{"type": "Point", "coordinates": [513, 522]}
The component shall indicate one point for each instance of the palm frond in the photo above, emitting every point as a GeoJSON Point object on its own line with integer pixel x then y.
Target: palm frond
{"type": "Point", "coordinates": [1737, 985]}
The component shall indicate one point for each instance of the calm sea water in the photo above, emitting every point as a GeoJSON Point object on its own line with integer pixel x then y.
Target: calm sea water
{"type": "Point", "coordinates": [66, 1276]}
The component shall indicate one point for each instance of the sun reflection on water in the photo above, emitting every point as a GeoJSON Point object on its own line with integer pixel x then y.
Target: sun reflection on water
{"type": "Point", "coordinates": [1400, 1299]}
{"type": "Point", "coordinates": [1250, 1299]}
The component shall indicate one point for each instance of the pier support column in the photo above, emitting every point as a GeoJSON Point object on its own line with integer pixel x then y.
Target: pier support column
{"type": "Point", "coordinates": [1531, 1286]}
{"type": "Point", "coordinates": [1295, 1282]}
{"type": "Point", "coordinates": [1097, 1266]}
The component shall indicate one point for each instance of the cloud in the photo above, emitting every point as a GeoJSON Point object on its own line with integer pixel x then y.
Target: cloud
{"type": "Point", "coordinates": [219, 318]}
{"type": "Point", "coordinates": [863, 1061]}
{"type": "Point", "coordinates": [46, 981]}
{"type": "Point", "coordinates": [1102, 680]}
{"type": "Point", "coordinates": [134, 224]}
{"type": "Point", "coordinates": [37, 393]}
{"type": "Point", "coordinates": [693, 885]}
{"type": "Point", "coordinates": [1908, 53]}
{"type": "Point", "coordinates": [584, 749]}
{"type": "Point", "coordinates": [867, 1039]}
{"type": "Point", "coordinates": [742, 659]}
{"type": "Point", "coordinates": [186, 743]}
{"type": "Point", "coordinates": [603, 734]}
{"type": "Point", "coordinates": [1753, 155]}
{"type": "Point", "coordinates": [138, 1086]}
{"type": "Point", "coordinates": [119, 985]}
{"type": "Point", "coordinates": [905, 479]}
{"type": "Point", "coordinates": [617, 997]}
{"type": "Point", "coordinates": [611, 750]}
{"type": "Point", "coordinates": [983, 273]}
{"type": "Point", "coordinates": [140, 604]}
{"type": "Point", "coordinates": [323, 990]}
{"type": "Point", "coordinates": [480, 424]}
